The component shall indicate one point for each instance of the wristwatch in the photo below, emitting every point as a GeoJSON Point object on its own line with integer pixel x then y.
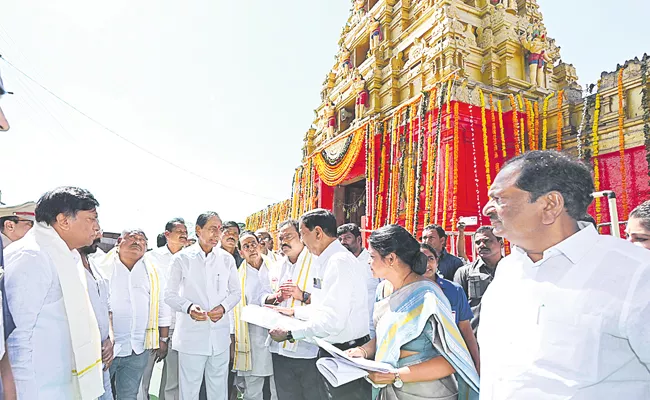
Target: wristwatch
{"type": "Point", "coordinates": [164, 339]}
{"type": "Point", "coordinates": [290, 337]}
{"type": "Point", "coordinates": [305, 296]}
{"type": "Point", "coordinates": [398, 381]}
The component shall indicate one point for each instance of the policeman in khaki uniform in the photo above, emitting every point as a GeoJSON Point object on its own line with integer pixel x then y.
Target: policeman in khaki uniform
{"type": "Point", "coordinates": [15, 221]}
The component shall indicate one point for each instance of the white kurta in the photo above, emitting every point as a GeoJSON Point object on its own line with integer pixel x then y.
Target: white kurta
{"type": "Point", "coordinates": [257, 289]}
{"type": "Point", "coordinates": [574, 325]}
{"type": "Point", "coordinates": [292, 272]}
{"type": "Point", "coordinates": [40, 348]}
{"type": "Point", "coordinates": [208, 281]}
{"type": "Point", "coordinates": [130, 298]}
{"type": "Point", "coordinates": [338, 312]}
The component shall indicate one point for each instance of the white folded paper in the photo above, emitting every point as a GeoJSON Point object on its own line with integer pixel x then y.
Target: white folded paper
{"type": "Point", "coordinates": [341, 369]}
{"type": "Point", "coordinates": [269, 318]}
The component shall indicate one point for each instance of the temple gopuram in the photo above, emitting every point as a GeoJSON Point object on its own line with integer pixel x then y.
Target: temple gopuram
{"type": "Point", "coordinates": [428, 99]}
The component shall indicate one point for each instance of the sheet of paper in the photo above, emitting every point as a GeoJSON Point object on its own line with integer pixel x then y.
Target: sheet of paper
{"type": "Point", "coordinates": [367, 365]}
{"type": "Point", "coordinates": [269, 318]}
{"type": "Point", "coordinates": [338, 373]}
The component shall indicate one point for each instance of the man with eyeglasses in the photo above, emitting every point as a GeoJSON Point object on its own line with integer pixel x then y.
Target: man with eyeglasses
{"type": "Point", "coordinates": [16, 221]}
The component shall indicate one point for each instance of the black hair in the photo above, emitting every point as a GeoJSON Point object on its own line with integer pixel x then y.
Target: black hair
{"type": "Point", "coordinates": [169, 226]}
{"type": "Point", "coordinates": [485, 229]}
{"type": "Point", "coordinates": [249, 233]}
{"type": "Point", "coordinates": [292, 222]}
{"type": "Point", "coordinates": [203, 219]}
{"type": "Point", "coordinates": [161, 240]}
{"type": "Point", "coordinates": [230, 224]}
{"type": "Point", "coordinates": [642, 213]}
{"type": "Point", "coordinates": [544, 171]}
{"type": "Point", "coordinates": [322, 218]}
{"type": "Point", "coordinates": [66, 200]}
{"type": "Point", "coordinates": [439, 230]}
{"type": "Point", "coordinates": [349, 228]}
{"type": "Point", "coordinates": [11, 218]}
{"type": "Point", "coordinates": [424, 246]}
{"type": "Point", "coordinates": [396, 239]}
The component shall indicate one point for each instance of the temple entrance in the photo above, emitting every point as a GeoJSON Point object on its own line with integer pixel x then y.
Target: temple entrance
{"type": "Point", "coordinates": [350, 202]}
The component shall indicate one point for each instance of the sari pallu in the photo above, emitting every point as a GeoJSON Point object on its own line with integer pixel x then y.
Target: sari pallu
{"type": "Point", "coordinates": [402, 318]}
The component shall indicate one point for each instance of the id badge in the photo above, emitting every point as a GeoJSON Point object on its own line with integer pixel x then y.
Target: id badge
{"type": "Point", "coordinates": [317, 283]}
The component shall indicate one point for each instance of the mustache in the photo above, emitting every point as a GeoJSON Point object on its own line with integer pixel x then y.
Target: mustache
{"type": "Point", "coordinates": [286, 246]}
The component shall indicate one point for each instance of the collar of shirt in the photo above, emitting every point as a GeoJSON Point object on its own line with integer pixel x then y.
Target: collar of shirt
{"type": "Point", "coordinates": [330, 250]}
{"type": "Point", "coordinates": [574, 248]}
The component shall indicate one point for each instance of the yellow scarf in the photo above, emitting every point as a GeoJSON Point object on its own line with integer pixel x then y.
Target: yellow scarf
{"type": "Point", "coordinates": [152, 334]}
{"type": "Point", "coordinates": [303, 278]}
{"type": "Point", "coordinates": [242, 361]}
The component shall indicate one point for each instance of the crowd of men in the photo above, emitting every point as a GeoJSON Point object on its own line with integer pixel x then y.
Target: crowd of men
{"type": "Point", "coordinates": [565, 316]}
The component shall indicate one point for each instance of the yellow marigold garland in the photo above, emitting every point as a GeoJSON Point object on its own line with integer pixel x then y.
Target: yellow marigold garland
{"type": "Point", "coordinates": [515, 124]}
{"type": "Point", "coordinates": [502, 131]}
{"type": "Point", "coordinates": [485, 140]}
{"type": "Point", "coordinates": [495, 150]}
{"type": "Point", "coordinates": [382, 177]}
{"type": "Point", "coordinates": [560, 119]}
{"type": "Point", "coordinates": [595, 152]}
{"type": "Point", "coordinates": [536, 127]}
{"type": "Point", "coordinates": [430, 181]}
{"type": "Point", "coordinates": [531, 124]}
{"type": "Point", "coordinates": [334, 175]}
{"type": "Point", "coordinates": [621, 143]}
{"type": "Point", "coordinates": [545, 119]}
{"type": "Point", "coordinates": [522, 125]}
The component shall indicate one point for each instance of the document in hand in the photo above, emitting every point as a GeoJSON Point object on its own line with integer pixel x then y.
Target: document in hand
{"type": "Point", "coordinates": [341, 369]}
{"type": "Point", "coordinates": [269, 318]}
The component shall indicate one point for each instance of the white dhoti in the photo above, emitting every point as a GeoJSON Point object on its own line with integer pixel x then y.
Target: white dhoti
{"type": "Point", "coordinates": [192, 369]}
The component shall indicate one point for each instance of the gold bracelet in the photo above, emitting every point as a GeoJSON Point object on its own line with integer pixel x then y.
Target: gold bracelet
{"type": "Point", "coordinates": [365, 353]}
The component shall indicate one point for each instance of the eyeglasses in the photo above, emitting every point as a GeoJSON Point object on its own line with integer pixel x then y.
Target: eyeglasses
{"type": "Point", "coordinates": [28, 222]}
{"type": "Point", "coordinates": [249, 246]}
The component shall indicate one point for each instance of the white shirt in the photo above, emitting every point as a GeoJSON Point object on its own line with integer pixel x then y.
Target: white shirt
{"type": "Point", "coordinates": [161, 258]}
{"type": "Point", "coordinates": [40, 348]}
{"type": "Point", "coordinates": [207, 281]}
{"type": "Point", "coordinates": [574, 325]}
{"type": "Point", "coordinates": [130, 298]}
{"type": "Point", "coordinates": [291, 272]}
{"type": "Point", "coordinates": [371, 283]}
{"type": "Point", "coordinates": [338, 312]}
{"type": "Point", "coordinates": [257, 288]}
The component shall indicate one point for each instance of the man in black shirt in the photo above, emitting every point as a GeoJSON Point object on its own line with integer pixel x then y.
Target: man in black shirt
{"type": "Point", "coordinates": [436, 237]}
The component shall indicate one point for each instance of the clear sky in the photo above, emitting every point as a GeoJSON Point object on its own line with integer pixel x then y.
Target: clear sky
{"type": "Point", "coordinates": [225, 89]}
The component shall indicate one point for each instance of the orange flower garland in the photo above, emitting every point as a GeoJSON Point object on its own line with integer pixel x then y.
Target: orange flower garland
{"type": "Point", "coordinates": [515, 124]}
{"type": "Point", "coordinates": [536, 127]}
{"type": "Point", "coordinates": [485, 139]}
{"type": "Point", "coordinates": [560, 119]}
{"type": "Point", "coordinates": [456, 162]}
{"type": "Point", "coordinates": [595, 152]}
{"type": "Point", "coordinates": [545, 119]}
{"type": "Point", "coordinates": [621, 143]}
{"type": "Point", "coordinates": [495, 150]}
{"type": "Point", "coordinates": [531, 124]}
{"type": "Point", "coordinates": [430, 182]}
{"type": "Point", "coordinates": [410, 177]}
{"type": "Point", "coordinates": [334, 175]}
{"type": "Point", "coordinates": [502, 131]}
{"type": "Point", "coordinates": [394, 189]}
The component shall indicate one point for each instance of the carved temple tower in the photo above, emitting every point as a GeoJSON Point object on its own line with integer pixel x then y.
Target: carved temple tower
{"type": "Point", "coordinates": [426, 99]}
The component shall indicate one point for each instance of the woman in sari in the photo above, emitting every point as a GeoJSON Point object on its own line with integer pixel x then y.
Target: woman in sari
{"type": "Point", "coordinates": [416, 333]}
